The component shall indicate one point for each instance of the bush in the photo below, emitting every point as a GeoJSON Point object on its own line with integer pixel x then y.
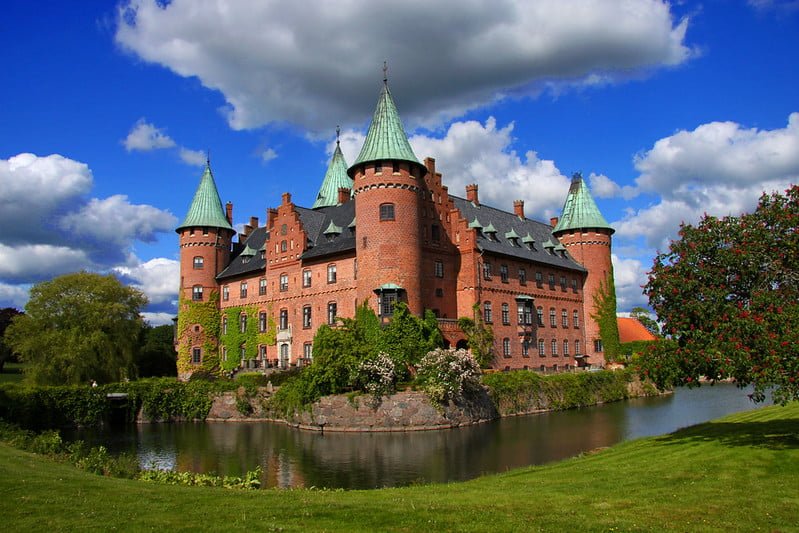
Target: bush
{"type": "Point", "coordinates": [376, 377]}
{"type": "Point", "coordinates": [448, 374]}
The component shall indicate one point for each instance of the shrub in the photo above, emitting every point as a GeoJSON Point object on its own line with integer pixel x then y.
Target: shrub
{"type": "Point", "coordinates": [376, 377]}
{"type": "Point", "coordinates": [448, 374]}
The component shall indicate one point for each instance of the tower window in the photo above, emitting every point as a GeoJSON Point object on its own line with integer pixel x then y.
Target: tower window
{"type": "Point", "coordinates": [306, 278]}
{"type": "Point", "coordinates": [197, 293]}
{"type": "Point", "coordinates": [331, 273]}
{"type": "Point", "coordinates": [379, 167]}
{"type": "Point", "coordinates": [435, 233]}
{"type": "Point", "coordinates": [386, 212]}
{"type": "Point", "coordinates": [225, 293]}
{"type": "Point", "coordinates": [395, 168]}
{"type": "Point", "coordinates": [198, 262]}
{"type": "Point", "coordinates": [439, 269]}
{"type": "Point", "coordinates": [196, 355]}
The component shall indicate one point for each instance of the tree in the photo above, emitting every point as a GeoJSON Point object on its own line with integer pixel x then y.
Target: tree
{"type": "Point", "coordinates": [78, 328]}
{"type": "Point", "coordinates": [156, 355]}
{"type": "Point", "coordinates": [6, 315]}
{"type": "Point", "coordinates": [642, 315]}
{"type": "Point", "coordinates": [727, 292]}
{"type": "Point", "coordinates": [479, 336]}
{"type": "Point", "coordinates": [407, 338]}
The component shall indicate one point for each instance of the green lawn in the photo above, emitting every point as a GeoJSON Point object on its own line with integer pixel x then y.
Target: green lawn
{"type": "Point", "coordinates": [738, 473]}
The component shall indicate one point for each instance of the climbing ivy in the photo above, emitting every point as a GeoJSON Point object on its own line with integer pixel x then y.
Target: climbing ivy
{"type": "Point", "coordinates": [234, 338]}
{"type": "Point", "coordinates": [208, 316]}
{"type": "Point", "coordinates": [605, 316]}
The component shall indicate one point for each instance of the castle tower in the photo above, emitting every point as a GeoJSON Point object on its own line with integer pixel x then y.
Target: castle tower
{"type": "Point", "coordinates": [587, 236]}
{"type": "Point", "coordinates": [336, 178]}
{"type": "Point", "coordinates": [388, 187]}
{"type": "Point", "coordinates": [205, 240]}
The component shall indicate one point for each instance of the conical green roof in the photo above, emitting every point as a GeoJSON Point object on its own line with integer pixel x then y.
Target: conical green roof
{"type": "Point", "coordinates": [580, 210]}
{"type": "Point", "coordinates": [386, 138]}
{"type": "Point", "coordinates": [335, 178]}
{"type": "Point", "coordinates": [206, 208]}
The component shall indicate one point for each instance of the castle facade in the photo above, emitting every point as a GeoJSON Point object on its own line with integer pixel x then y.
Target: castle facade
{"type": "Point", "coordinates": [386, 230]}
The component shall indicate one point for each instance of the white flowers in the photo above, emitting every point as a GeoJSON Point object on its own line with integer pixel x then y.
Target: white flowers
{"type": "Point", "coordinates": [447, 374]}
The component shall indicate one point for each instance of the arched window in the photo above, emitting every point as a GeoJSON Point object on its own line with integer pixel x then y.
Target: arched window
{"type": "Point", "coordinates": [505, 314]}
{"type": "Point", "coordinates": [553, 321]}
{"type": "Point", "coordinates": [386, 212]}
{"type": "Point", "coordinates": [331, 273]}
{"type": "Point", "coordinates": [332, 311]}
{"type": "Point", "coordinates": [554, 347]}
{"type": "Point", "coordinates": [541, 349]}
{"type": "Point", "coordinates": [540, 311]}
{"type": "Point", "coordinates": [506, 347]}
{"type": "Point", "coordinates": [306, 278]}
{"type": "Point", "coordinates": [283, 245]}
{"type": "Point", "coordinates": [565, 347]}
{"type": "Point", "coordinates": [576, 319]}
{"type": "Point", "coordinates": [487, 318]}
{"type": "Point", "coordinates": [564, 316]}
{"type": "Point", "coordinates": [243, 322]}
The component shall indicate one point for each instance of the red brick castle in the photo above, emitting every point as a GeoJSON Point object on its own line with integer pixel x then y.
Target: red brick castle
{"type": "Point", "coordinates": [387, 230]}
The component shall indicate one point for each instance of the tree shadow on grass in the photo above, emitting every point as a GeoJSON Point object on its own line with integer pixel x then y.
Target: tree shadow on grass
{"type": "Point", "coordinates": [772, 434]}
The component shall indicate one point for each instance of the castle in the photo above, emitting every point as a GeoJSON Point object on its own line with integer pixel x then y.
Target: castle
{"type": "Point", "coordinates": [386, 230]}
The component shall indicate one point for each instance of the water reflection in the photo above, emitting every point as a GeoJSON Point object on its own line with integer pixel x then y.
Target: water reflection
{"type": "Point", "coordinates": [292, 458]}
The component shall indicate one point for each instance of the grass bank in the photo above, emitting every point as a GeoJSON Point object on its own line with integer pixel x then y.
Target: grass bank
{"type": "Point", "coordinates": [738, 473]}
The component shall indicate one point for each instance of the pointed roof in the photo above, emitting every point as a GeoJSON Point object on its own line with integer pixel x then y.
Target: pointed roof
{"type": "Point", "coordinates": [206, 207]}
{"type": "Point", "coordinates": [580, 211]}
{"type": "Point", "coordinates": [386, 138]}
{"type": "Point", "coordinates": [335, 178]}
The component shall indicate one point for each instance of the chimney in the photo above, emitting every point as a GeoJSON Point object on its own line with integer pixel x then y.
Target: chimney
{"type": "Point", "coordinates": [254, 222]}
{"type": "Point", "coordinates": [471, 194]}
{"type": "Point", "coordinates": [518, 208]}
{"type": "Point", "coordinates": [286, 198]}
{"type": "Point", "coordinates": [343, 195]}
{"type": "Point", "coordinates": [271, 216]}
{"type": "Point", "coordinates": [229, 212]}
{"type": "Point", "coordinates": [245, 232]}
{"type": "Point", "coordinates": [553, 221]}
{"type": "Point", "coordinates": [430, 164]}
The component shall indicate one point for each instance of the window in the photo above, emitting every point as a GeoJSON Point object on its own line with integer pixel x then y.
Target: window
{"type": "Point", "coordinates": [223, 350]}
{"type": "Point", "coordinates": [243, 351]}
{"type": "Point", "coordinates": [564, 317]}
{"type": "Point", "coordinates": [553, 321]}
{"type": "Point", "coordinates": [506, 347]}
{"type": "Point", "coordinates": [262, 352]}
{"type": "Point", "coordinates": [505, 314]}
{"type": "Point", "coordinates": [525, 313]}
{"type": "Point", "coordinates": [262, 287]}
{"type": "Point", "coordinates": [395, 168]}
{"type": "Point", "coordinates": [565, 347]}
{"type": "Point", "coordinates": [243, 322]}
{"type": "Point", "coordinates": [284, 229]}
{"type": "Point", "coordinates": [486, 270]}
{"type": "Point", "coordinates": [331, 273]}
{"type": "Point", "coordinates": [503, 273]}
{"type": "Point", "coordinates": [284, 245]}
{"type": "Point", "coordinates": [598, 345]}
{"type": "Point", "coordinates": [540, 311]}
{"type": "Point", "coordinates": [487, 313]}
{"type": "Point", "coordinates": [284, 319]}
{"type": "Point", "coordinates": [522, 276]}
{"type": "Point", "coordinates": [284, 282]}
{"type": "Point", "coordinates": [306, 316]}
{"type": "Point", "coordinates": [386, 303]}
{"type": "Point", "coordinates": [197, 293]}
{"type": "Point", "coordinates": [379, 167]}
{"type": "Point", "coordinates": [577, 347]}
{"type": "Point", "coordinates": [205, 231]}
{"type": "Point", "coordinates": [307, 351]}
{"type": "Point", "coordinates": [520, 312]}
{"type": "Point", "coordinates": [541, 350]}
{"type": "Point", "coordinates": [243, 289]}
{"type": "Point", "coordinates": [196, 355]}
{"type": "Point", "coordinates": [574, 284]}
{"type": "Point", "coordinates": [225, 293]}
{"type": "Point", "coordinates": [306, 278]}
{"type": "Point", "coordinates": [554, 347]}
{"type": "Point", "coordinates": [435, 233]}
{"type": "Point", "coordinates": [386, 212]}
{"type": "Point", "coordinates": [563, 283]}
{"type": "Point", "coordinates": [332, 310]}
{"type": "Point", "coordinates": [224, 325]}
{"type": "Point", "coordinates": [525, 348]}
{"type": "Point", "coordinates": [198, 262]}
{"type": "Point", "coordinates": [439, 269]}
{"type": "Point", "coordinates": [551, 280]}
{"type": "Point", "coordinates": [262, 322]}
{"type": "Point", "coordinates": [576, 319]}
{"type": "Point", "coordinates": [539, 279]}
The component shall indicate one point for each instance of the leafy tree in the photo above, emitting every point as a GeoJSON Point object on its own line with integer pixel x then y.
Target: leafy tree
{"type": "Point", "coordinates": [605, 315]}
{"type": "Point", "coordinates": [77, 328]}
{"type": "Point", "coordinates": [642, 314]}
{"type": "Point", "coordinates": [479, 336]}
{"type": "Point", "coordinates": [6, 315]}
{"type": "Point", "coordinates": [407, 338]}
{"type": "Point", "coordinates": [157, 355]}
{"type": "Point", "coordinates": [727, 292]}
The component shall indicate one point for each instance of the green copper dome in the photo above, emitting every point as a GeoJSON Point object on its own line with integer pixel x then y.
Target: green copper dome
{"type": "Point", "coordinates": [206, 207]}
{"type": "Point", "coordinates": [580, 210]}
{"type": "Point", "coordinates": [386, 138]}
{"type": "Point", "coordinates": [335, 178]}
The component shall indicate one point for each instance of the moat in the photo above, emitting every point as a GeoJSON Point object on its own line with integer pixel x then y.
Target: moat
{"type": "Point", "coordinates": [294, 458]}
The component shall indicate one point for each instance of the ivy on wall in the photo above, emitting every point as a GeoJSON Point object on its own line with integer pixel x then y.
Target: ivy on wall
{"type": "Point", "coordinates": [605, 316]}
{"type": "Point", "coordinates": [250, 338]}
{"type": "Point", "coordinates": [208, 316]}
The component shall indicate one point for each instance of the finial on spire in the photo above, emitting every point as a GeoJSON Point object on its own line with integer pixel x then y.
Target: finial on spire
{"type": "Point", "coordinates": [208, 157]}
{"type": "Point", "coordinates": [385, 72]}
{"type": "Point", "coordinates": [338, 134]}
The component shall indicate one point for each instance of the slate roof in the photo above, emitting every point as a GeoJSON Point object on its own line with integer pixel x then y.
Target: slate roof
{"type": "Point", "coordinates": [335, 178]}
{"type": "Point", "coordinates": [244, 263]}
{"type": "Point", "coordinates": [386, 138]}
{"type": "Point", "coordinates": [504, 223]}
{"type": "Point", "coordinates": [318, 221]}
{"type": "Point", "coordinates": [580, 211]}
{"type": "Point", "coordinates": [206, 207]}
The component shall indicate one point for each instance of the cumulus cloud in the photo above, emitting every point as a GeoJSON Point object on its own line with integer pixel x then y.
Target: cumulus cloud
{"type": "Point", "coordinates": [192, 157]}
{"type": "Point", "coordinates": [158, 319]}
{"type": "Point", "coordinates": [268, 154]}
{"type": "Point", "coordinates": [302, 63]}
{"type": "Point", "coordinates": [158, 279]}
{"type": "Point", "coordinates": [37, 261]}
{"type": "Point", "coordinates": [144, 137]}
{"type": "Point", "coordinates": [13, 295]}
{"type": "Point", "coordinates": [629, 276]}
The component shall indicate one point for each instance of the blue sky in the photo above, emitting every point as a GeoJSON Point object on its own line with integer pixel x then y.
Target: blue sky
{"type": "Point", "coordinates": [669, 109]}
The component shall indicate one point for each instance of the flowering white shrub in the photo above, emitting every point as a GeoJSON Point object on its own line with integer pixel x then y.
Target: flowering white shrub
{"type": "Point", "coordinates": [446, 374]}
{"type": "Point", "coordinates": [376, 376]}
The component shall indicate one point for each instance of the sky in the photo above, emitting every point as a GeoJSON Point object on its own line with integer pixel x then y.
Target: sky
{"type": "Point", "coordinates": [670, 110]}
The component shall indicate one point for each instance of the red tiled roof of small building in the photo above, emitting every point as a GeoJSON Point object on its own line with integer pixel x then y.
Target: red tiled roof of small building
{"type": "Point", "coordinates": [631, 329]}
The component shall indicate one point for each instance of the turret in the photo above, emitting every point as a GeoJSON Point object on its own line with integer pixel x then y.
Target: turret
{"type": "Point", "coordinates": [388, 187]}
{"type": "Point", "coordinates": [336, 178]}
{"type": "Point", "coordinates": [587, 236]}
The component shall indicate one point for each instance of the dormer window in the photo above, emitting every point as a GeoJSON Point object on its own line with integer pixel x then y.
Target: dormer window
{"type": "Point", "coordinates": [490, 232]}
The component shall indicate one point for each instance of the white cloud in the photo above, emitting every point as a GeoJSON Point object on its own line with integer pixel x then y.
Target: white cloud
{"type": "Point", "coordinates": [38, 261]}
{"type": "Point", "coordinates": [629, 276]}
{"type": "Point", "coordinates": [192, 157]}
{"type": "Point", "coordinates": [158, 279]}
{"type": "Point", "coordinates": [305, 63]}
{"type": "Point", "coordinates": [158, 319]}
{"type": "Point", "coordinates": [13, 295]}
{"type": "Point", "coordinates": [268, 155]}
{"type": "Point", "coordinates": [144, 136]}
{"type": "Point", "coordinates": [471, 152]}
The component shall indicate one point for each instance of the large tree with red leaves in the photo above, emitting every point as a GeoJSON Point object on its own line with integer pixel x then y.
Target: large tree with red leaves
{"type": "Point", "coordinates": [727, 293]}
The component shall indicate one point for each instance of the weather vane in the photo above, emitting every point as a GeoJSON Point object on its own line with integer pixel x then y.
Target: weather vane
{"type": "Point", "coordinates": [385, 71]}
